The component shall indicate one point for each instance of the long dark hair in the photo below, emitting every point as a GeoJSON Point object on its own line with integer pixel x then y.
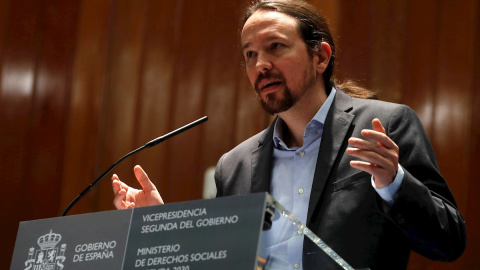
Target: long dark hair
{"type": "Point", "coordinates": [313, 28]}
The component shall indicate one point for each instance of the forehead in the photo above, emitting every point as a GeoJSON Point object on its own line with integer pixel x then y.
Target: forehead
{"type": "Point", "coordinates": [268, 24]}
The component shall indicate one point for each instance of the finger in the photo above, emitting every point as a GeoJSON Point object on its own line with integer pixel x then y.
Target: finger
{"type": "Point", "coordinates": [118, 185]}
{"type": "Point", "coordinates": [364, 166]}
{"type": "Point", "coordinates": [360, 144]}
{"type": "Point", "coordinates": [377, 126]}
{"type": "Point", "coordinates": [381, 176]}
{"type": "Point", "coordinates": [115, 186]}
{"type": "Point", "coordinates": [376, 171]}
{"type": "Point", "coordinates": [119, 200]}
{"type": "Point", "coordinates": [143, 179]}
{"type": "Point", "coordinates": [380, 138]}
{"type": "Point", "coordinates": [370, 157]}
{"type": "Point", "coordinates": [130, 205]}
{"type": "Point", "coordinates": [378, 134]}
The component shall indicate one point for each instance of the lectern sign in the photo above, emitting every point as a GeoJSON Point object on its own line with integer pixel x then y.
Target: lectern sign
{"type": "Point", "coordinates": [221, 233]}
{"type": "Point", "coordinates": [90, 241]}
{"type": "Point", "coordinates": [192, 236]}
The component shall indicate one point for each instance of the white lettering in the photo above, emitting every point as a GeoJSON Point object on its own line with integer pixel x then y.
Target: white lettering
{"type": "Point", "coordinates": [106, 254]}
{"type": "Point", "coordinates": [96, 246]}
{"type": "Point", "coordinates": [159, 227]}
{"type": "Point", "coordinates": [216, 255]}
{"type": "Point", "coordinates": [217, 221]}
{"type": "Point", "coordinates": [175, 214]}
{"type": "Point", "coordinates": [158, 250]}
{"type": "Point", "coordinates": [167, 260]}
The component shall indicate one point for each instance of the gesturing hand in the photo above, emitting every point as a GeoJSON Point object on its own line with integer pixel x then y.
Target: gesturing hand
{"type": "Point", "coordinates": [380, 158]}
{"type": "Point", "coordinates": [128, 197]}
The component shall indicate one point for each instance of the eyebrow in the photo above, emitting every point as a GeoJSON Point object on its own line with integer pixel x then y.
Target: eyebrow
{"type": "Point", "coordinates": [269, 38]}
{"type": "Point", "coordinates": [246, 45]}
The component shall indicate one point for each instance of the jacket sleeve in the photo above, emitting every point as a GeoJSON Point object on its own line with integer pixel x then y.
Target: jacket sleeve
{"type": "Point", "coordinates": [424, 207]}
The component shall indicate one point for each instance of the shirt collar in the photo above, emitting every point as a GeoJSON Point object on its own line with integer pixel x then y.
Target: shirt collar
{"type": "Point", "coordinates": [319, 117]}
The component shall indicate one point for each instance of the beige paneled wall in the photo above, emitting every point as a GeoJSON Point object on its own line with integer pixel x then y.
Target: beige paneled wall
{"type": "Point", "coordinates": [83, 82]}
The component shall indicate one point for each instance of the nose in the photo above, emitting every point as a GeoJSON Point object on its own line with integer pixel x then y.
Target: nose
{"type": "Point", "coordinates": [263, 63]}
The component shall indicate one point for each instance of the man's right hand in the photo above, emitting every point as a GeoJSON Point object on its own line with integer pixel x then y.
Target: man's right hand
{"type": "Point", "coordinates": [128, 197]}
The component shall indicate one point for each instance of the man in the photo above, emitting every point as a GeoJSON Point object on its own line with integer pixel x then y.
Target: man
{"type": "Point", "coordinates": [360, 173]}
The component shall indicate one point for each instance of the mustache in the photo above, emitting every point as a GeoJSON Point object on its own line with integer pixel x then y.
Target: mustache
{"type": "Point", "coordinates": [267, 75]}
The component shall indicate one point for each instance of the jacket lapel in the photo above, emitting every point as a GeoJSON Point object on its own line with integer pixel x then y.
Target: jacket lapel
{"type": "Point", "coordinates": [335, 134]}
{"type": "Point", "coordinates": [262, 162]}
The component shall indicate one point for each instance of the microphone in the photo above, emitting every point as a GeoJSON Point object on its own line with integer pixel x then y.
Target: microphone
{"type": "Point", "coordinates": [147, 145]}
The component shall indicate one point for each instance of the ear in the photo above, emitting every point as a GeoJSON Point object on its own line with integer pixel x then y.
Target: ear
{"type": "Point", "coordinates": [323, 55]}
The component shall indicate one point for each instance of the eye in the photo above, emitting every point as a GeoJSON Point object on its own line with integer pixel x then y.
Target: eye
{"type": "Point", "coordinates": [276, 45]}
{"type": "Point", "coordinates": [249, 54]}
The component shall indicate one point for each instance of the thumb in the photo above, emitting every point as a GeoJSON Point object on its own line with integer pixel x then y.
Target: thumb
{"type": "Point", "coordinates": [377, 126]}
{"type": "Point", "coordinates": [143, 179]}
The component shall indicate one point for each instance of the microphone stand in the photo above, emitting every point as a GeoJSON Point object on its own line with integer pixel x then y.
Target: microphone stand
{"type": "Point", "coordinates": [147, 145]}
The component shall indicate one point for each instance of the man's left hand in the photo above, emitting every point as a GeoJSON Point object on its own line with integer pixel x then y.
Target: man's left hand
{"type": "Point", "coordinates": [379, 157]}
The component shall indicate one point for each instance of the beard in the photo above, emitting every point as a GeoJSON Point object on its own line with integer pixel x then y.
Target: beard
{"type": "Point", "coordinates": [273, 105]}
{"type": "Point", "coordinates": [277, 102]}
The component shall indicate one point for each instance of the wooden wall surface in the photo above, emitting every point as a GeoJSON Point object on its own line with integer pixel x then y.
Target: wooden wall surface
{"type": "Point", "coordinates": [83, 82]}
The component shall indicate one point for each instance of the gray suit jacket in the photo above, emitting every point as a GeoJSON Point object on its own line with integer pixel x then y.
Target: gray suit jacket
{"type": "Point", "coordinates": [344, 209]}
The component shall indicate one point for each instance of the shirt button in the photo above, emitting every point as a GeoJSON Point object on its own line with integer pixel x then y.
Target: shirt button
{"type": "Point", "coordinates": [296, 266]}
{"type": "Point", "coordinates": [300, 190]}
{"type": "Point", "coordinates": [302, 153]}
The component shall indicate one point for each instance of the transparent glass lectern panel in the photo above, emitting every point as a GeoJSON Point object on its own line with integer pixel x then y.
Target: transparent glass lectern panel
{"type": "Point", "coordinates": [283, 227]}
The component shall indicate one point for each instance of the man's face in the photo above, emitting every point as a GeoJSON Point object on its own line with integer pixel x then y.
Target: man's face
{"type": "Point", "coordinates": [276, 60]}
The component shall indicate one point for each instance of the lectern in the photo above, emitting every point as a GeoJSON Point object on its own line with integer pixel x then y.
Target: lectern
{"type": "Point", "coordinates": [221, 233]}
